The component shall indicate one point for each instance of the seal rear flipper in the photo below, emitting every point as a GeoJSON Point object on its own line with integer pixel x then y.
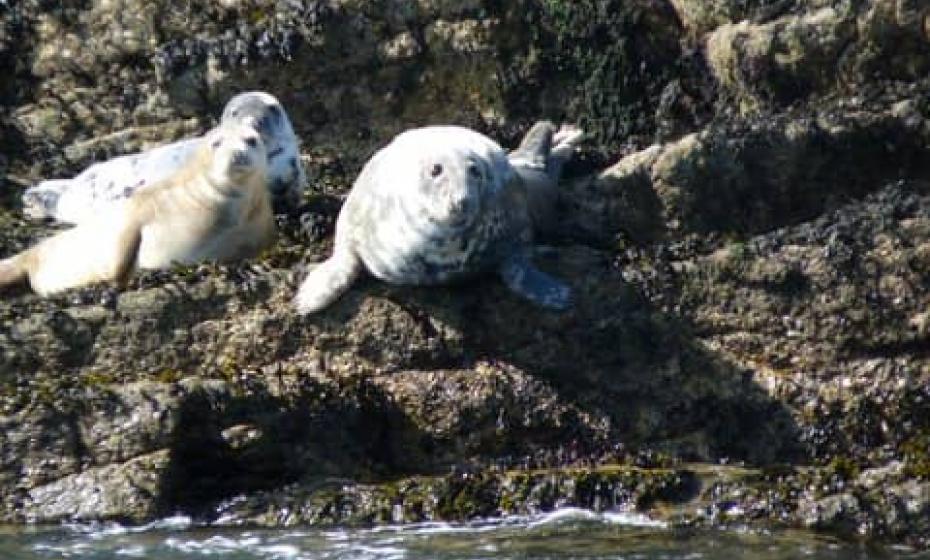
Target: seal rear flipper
{"type": "Point", "coordinates": [522, 277]}
{"type": "Point", "coordinates": [41, 201]}
{"type": "Point", "coordinates": [325, 283]}
{"type": "Point", "coordinates": [564, 143]}
{"type": "Point", "coordinates": [535, 147]}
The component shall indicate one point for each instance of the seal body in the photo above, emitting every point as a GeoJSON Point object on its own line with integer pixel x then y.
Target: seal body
{"type": "Point", "coordinates": [215, 207]}
{"type": "Point", "coordinates": [438, 204]}
{"type": "Point", "coordinates": [105, 183]}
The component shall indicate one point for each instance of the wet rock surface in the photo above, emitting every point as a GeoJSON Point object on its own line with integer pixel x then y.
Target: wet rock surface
{"type": "Point", "coordinates": [748, 232]}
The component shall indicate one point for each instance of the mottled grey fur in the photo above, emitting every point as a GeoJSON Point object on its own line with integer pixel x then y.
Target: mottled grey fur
{"type": "Point", "coordinates": [440, 204]}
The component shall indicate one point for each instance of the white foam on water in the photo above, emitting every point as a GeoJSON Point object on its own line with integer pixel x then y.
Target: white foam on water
{"type": "Point", "coordinates": [215, 544]}
{"type": "Point", "coordinates": [633, 519]}
{"type": "Point", "coordinates": [386, 553]}
{"type": "Point", "coordinates": [64, 550]}
{"type": "Point", "coordinates": [280, 551]}
{"type": "Point", "coordinates": [482, 525]}
{"type": "Point", "coordinates": [574, 515]}
{"type": "Point", "coordinates": [135, 551]}
{"type": "Point", "coordinates": [97, 530]}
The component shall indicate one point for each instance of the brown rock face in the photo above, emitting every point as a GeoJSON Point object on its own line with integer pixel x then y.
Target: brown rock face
{"type": "Point", "coordinates": [747, 231]}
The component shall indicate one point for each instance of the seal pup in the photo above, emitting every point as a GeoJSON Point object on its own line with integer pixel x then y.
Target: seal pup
{"type": "Point", "coordinates": [103, 183]}
{"type": "Point", "coordinates": [215, 207]}
{"type": "Point", "coordinates": [439, 204]}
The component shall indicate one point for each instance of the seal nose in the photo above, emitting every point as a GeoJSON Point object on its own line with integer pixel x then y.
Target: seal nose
{"type": "Point", "coordinates": [242, 159]}
{"type": "Point", "coordinates": [242, 156]}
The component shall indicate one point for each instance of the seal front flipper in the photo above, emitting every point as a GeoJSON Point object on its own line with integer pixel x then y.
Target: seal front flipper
{"type": "Point", "coordinates": [12, 272]}
{"type": "Point", "coordinates": [522, 277]}
{"type": "Point", "coordinates": [329, 280]}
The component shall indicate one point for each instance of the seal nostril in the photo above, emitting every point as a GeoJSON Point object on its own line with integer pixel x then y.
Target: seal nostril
{"type": "Point", "coordinates": [436, 171]}
{"type": "Point", "coordinates": [216, 143]}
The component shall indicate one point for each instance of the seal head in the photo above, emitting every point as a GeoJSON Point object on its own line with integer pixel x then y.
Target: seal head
{"type": "Point", "coordinates": [238, 154]}
{"type": "Point", "coordinates": [420, 212]}
{"type": "Point", "coordinates": [264, 113]}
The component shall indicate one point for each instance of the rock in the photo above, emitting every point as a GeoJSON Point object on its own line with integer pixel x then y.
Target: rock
{"type": "Point", "coordinates": [758, 177]}
{"type": "Point", "coordinates": [748, 230]}
{"type": "Point", "coordinates": [457, 496]}
{"type": "Point", "coordinates": [780, 61]}
{"type": "Point", "coordinates": [875, 478]}
{"type": "Point", "coordinates": [838, 513]}
{"type": "Point", "coordinates": [787, 59]}
{"type": "Point", "coordinates": [118, 492]}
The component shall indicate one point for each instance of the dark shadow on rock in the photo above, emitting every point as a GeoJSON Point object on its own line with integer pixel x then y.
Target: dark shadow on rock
{"type": "Point", "coordinates": [505, 379]}
{"type": "Point", "coordinates": [229, 442]}
{"type": "Point", "coordinates": [615, 355]}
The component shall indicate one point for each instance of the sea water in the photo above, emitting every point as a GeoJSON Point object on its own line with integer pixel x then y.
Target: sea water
{"type": "Point", "coordinates": [563, 534]}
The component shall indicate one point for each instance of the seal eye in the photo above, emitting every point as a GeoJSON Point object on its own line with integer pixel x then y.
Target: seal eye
{"type": "Point", "coordinates": [474, 171]}
{"type": "Point", "coordinates": [251, 141]}
{"type": "Point", "coordinates": [436, 170]}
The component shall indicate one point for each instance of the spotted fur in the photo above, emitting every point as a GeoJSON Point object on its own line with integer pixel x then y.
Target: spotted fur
{"type": "Point", "coordinates": [440, 204]}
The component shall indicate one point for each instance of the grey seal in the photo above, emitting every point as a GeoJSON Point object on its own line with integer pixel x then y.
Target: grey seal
{"type": "Point", "coordinates": [104, 183]}
{"type": "Point", "coordinates": [443, 203]}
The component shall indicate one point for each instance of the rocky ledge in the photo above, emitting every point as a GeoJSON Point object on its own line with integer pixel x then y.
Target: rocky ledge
{"type": "Point", "coordinates": [748, 230]}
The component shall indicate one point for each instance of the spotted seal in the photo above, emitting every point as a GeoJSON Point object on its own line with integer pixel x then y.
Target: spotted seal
{"type": "Point", "coordinates": [215, 207]}
{"type": "Point", "coordinates": [440, 204]}
{"type": "Point", "coordinates": [101, 184]}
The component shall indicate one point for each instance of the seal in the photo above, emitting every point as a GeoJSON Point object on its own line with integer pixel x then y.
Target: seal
{"type": "Point", "coordinates": [103, 183]}
{"type": "Point", "coordinates": [440, 204]}
{"type": "Point", "coordinates": [216, 206]}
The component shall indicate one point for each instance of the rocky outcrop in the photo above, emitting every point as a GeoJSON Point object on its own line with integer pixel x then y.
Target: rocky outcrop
{"type": "Point", "coordinates": [749, 177]}
{"type": "Point", "coordinates": [747, 231]}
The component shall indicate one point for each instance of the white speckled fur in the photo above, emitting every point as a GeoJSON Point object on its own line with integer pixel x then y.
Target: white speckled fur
{"type": "Point", "coordinates": [436, 205]}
